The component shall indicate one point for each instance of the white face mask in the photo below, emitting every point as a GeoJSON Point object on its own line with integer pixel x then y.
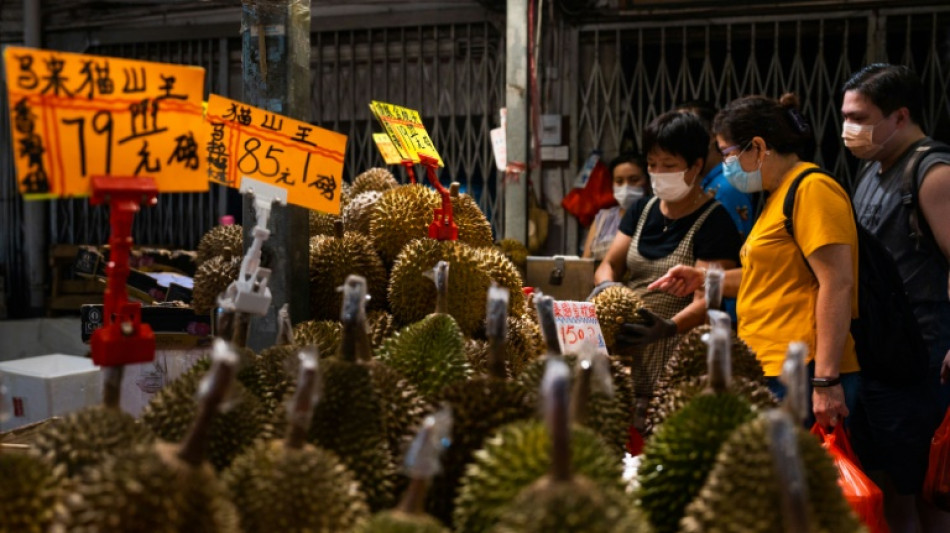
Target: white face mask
{"type": "Point", "coordinates": [859, 139]}
{"type": "Point", "coordinates": [670, 186]}
{"type": "Point", "coordinates": [627, 194]}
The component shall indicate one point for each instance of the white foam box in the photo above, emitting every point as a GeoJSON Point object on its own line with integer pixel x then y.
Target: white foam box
{"type": "Point", "coordinates": [48, 385]}
{"type": "Point", "coordinates": [140, 382]}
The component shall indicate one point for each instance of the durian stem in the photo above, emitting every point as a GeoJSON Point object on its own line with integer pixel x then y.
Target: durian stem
{"type": "Point", "coordinates": [193, 447]}
{"type": "Point", "coordinates": [559, 427]}
{"type": "Point", "coordinates": [302, 406]}
{"type": "Point", "coordinates": [224, 326]}
{"type": "Point", "coordinates": [580, 397]}
{"type": "Point", "coordinates": [285, 329]}
{"type": "Point", "coordinates": [241, 325]}
{"type": "Point", "coordinates": [497, 357]}
{"type": "Point", "coordinates": [355, 344]}
{"type": "Point", "coordinates": [545, 308]}
{"type": "Point", "coordinates": [338, 229]}
{"type": "Point", "coordinates": [112, 385]}
{"type": "Point", "coordinates": [790, 472]}
{"type": "Point", "coordinates": [454, 189]}
{"type": "Point", "coordinates": [414, 499]}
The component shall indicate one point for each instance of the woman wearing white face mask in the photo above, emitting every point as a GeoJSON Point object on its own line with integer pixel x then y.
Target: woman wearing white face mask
{"type": "Point", "coordinates": [630, 184]}
{"type": "Point", "coordinates": [680, 225]}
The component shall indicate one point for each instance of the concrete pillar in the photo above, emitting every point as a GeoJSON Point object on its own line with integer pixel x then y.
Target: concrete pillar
{"type": "Point", "coordinates": [516, 133]}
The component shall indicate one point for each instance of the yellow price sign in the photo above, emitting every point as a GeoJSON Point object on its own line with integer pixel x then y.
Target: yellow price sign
{"type": "Point", "coordinates": [75, 116]}
{"type": "Point", "coordinates": [387, 149]}
{"type": "Point", "coordinates": [305, 160]}
{"type": "Point", "coordinates": [404, 126]}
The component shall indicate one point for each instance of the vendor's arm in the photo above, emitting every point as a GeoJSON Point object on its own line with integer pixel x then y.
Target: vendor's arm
{"type": "Point", "coordinates": [682, 280]}
{"type": "Point", "coordinates": [613, 266]}
{"type": "Point", "coordinates": [589, 243]}
{"type": "Point", "coordinates": [694, 314]}
{"type": "Point", "coordinates": [833, 270]}
{"type": "Point", "coordinates": [935, 204]}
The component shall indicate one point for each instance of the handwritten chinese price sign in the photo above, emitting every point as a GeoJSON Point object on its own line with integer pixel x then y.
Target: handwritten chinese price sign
{"type": "Point", "coordinates": [387, 149]}
{"type": "Point", "coordinates": [404, 126]}
{"type": "Point", "coordinates": [577, 323]}
{"type": "Point", "coordinates": [75, 116]}
{"type": "Point", "coordinates": [305, 160]}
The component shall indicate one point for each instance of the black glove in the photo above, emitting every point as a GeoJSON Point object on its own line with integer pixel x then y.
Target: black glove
{"type": "Point", "coordinates": [600, 288]}
{"type": "Point", "coordinates": [653, 329]}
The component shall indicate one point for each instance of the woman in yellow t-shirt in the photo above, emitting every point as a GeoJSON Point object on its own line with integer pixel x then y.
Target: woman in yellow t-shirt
{"type": "Point", "coordinates": [789, 289]}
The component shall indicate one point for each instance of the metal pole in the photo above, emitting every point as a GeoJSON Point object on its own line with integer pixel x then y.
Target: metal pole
{"type": "Point", "coordinates": [36, 230]}
{"type": "Point", "coordinates": [276, 75]}
{"type": "Point", "coordinates": [516, 132]}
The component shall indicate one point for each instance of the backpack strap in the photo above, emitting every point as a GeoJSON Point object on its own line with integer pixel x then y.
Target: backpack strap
{"type": "Point", "coordinates": [788, 207]}
{"type": "Point", "coordinates": [910, 191]}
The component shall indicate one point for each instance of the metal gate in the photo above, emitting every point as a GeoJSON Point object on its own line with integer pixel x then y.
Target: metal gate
{"type": "Point", "coordinates": [632, 72]}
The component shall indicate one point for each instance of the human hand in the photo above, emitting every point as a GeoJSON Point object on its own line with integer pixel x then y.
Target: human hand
{"type": "Point", "coordinates": [828, 405]}
{"type": "Point", "coordinates": [680, 281]}
{"type": "Point", "coordinates": [945, 369]}
{"type": "Point", "coordinates": [600, 288]}
{"type": "Point", "coordinates": [653, 329]}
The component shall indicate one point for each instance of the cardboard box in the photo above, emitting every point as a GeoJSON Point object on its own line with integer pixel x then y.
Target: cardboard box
{"type": "Point", "coordinates": [561, 277]}
{"type": "Point", "coordinates": [142, 381]}
{"type": "Point", "coordinates": [48, 385]}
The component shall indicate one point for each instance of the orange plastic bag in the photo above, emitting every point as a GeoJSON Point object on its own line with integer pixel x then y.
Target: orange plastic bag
{"type": "Point", "coordinates": [937, 482]}
{"type": "Point", "coordinates": [865, 498]}
{"type": "Point", "coordinates": [596, 195]}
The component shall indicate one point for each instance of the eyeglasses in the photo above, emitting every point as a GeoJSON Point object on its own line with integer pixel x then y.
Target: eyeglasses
{"type": "Point", "coordinates": [731, 153]}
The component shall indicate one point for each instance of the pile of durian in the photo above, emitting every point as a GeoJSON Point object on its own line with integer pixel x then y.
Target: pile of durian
{"type": "Point", "coordinates": [426, 393]}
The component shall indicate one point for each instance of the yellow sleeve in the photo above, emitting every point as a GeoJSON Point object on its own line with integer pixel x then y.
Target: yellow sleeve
{"type": "Point", "coordinates": [823, 215]}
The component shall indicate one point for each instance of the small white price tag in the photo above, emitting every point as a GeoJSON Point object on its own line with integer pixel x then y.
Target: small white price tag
{"type": "Point", "coordinates": [577, 323]}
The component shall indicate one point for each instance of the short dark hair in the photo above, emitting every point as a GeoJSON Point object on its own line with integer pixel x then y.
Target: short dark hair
{"type": "Point", "coordinates": [627, 157]}
{"type": "Point", "coordinates": [703, 109]}
{"type": "Point", "coordinates": [678, 133]}
{"type": "Point", "coordinates": [890, 87]}
{"type": "Point", "coordinates": [779, 122]}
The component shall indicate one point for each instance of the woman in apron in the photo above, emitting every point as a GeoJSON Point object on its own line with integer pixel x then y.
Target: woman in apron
{"type": "Point", "coordinates": [681, 224]}
{"type": "Point", "coordinates": [630, 184]}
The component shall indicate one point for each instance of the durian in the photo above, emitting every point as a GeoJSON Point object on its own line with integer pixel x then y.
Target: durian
{"type": "Point", "coordinates": [430, 353]}
{"type": "Point", "coordinates": [324, 334]}
{"type": "Point", "coordinates": [474, 227]}
{"type": "Point", "coordinates": [359, 212]}
{"type": "Point", "coordinates": [506, 274]}
{"type": "Point", "coordinates": [516, 251]}
{"type": "Point", "coordinates": [616, 305]}
{"type": "Point", "coordinates": [335, 258]}
{"type": "Point", "coordinates": [400, 216]}
{"type": "Point", "coordinates": [375, 179]}
{"type": "Point", "coordinates": [381, 327]}
{"type": "Point", "coordinates": [689, 360]}
{"type": "Point", "coordinates": [225, 241]}
{"type": "Point", "coordinates": [211, 279]}
{"type": "Point", "coordinates": [289, 485]}
{"type": "Point", "coordinates": [161, 487]}
{"type": "Point", "coordinates": [321, 224]}
{"type": "Point", "coordinates": [662, 406]}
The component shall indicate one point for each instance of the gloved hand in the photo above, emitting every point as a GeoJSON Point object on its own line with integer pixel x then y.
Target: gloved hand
{"type": "Point", "coordinates": [600, 288]}
{"type": "Point", "coordinates": [655, 328]}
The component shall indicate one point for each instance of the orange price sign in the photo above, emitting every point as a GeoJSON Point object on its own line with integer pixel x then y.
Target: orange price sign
{"type": "Point", "coordinates": [75, 116]}
{"type": "Point", "coordinates": [305, 160]}
{"type": "Point", "coordinates": [404, 126]}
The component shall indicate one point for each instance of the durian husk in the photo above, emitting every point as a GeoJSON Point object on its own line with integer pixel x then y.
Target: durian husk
{"type": "Point", "coordinates": [741, 493]}
{"type": "Point", "coordinates": [85, 437]}
{"type": "Point", "coordinates": [429, 353]}
{"type": "Point", "coordinates": [403, 214]}
{"type": "Point", "coordinates": [396, 521]}
{"type": "Point", "coordinates": [506, 274]}
{"type": "Point", "coordinates": [679, 456]}
{"type": "Point", "coordinates": [514, 458]}
{"type": "Point", "coordinates": [359, 212]}
{"type": "Point", "coordinates": [381, 327]}
{"type": "Point", "coordinates": [671, 401]}
{"type": "Point", "coordinates": [474, 227]}
{"type": "Point", "coordinates": [224, 241]}
{"type": "Point", "coordinates": [148, 488]}
{"type": "Point", "coordinates": [211, 279]}
{"type": "Point", "coordinates": [321, 224]}
{"type": "Point", "coordinates": [479, 407]}
{"type": "Point", "coordinates": [516, 252]}
{"type": "Point", "coordinates": [689, 360]}
{"type": "Point", "coordinates": [171, 412]}
{"type": "Point", "coordinates": [276, 488]}
{"type": "Point", "coordinates": [375, 179]}
{"type": "Point", "coordinates": [324, 334]}
{"type": "Point", "coordinates": [525, 344]}
{"type": "Point", "coordinates": [332, 259]}
{"type": "Point", "coordinates": [274, 371]}
{"type": "Point", "coordinates": [30, 489]}
{"type": "Point", "coordinates": [403, 407]}
{"type": "Point", "coordinates": [412, 296]}
{"type": "Point", "coordinates": [575, 506]}
{"type": "Point", "coordinates": [615, 305]}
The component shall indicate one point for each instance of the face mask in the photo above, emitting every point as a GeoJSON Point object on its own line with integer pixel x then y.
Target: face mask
{"type": "Point", "coordinates": [670, 186]}
{"type": "Point", "coordinates": [627, 194]}
{"type": "Point", "coordinates": [860, 139]}
{"type": "Point", "coordinates": [740, 179]}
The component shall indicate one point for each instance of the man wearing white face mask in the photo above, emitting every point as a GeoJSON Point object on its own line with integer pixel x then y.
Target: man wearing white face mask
{"type": "Point", "coordinates": [903, 199]}
{"type": "Point", "coordinates": [628, 171]}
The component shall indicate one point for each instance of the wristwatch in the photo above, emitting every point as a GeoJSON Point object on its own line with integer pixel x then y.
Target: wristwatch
{"type": "Point", "coordinates": [825, 382]}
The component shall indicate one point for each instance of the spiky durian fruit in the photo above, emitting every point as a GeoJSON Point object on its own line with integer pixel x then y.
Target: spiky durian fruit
{"type": "Point", "coordinates": [224, 241]}
{"type": "Point", "coordinates": [173, 409]}
{"type": "Point", "coordinates": [412, 296]}
{"type": "Point", "coordinates": [322, 223]}
{"type": "Point", "coordinates": [401, 403]}
{"type": "Point", "coordinates": [689, 360]}
{"type": "Point", "coordinates": [524, 343]}
{"type": "Point", "coordinates": [86, 437]}
{"type": "Point", "coordinates": [359, 212]}
{"type": "Point", "coordinates": [324, 334]}
{"type": "Point", "coordinates": [381, 327]}
{"type": "Point", "coordinates": [211, 279]}
{"type": "Point", "coordinates": [516, 252]}
{"type": "Point", "coordinates": [505, 273]}
{"type": "Point", "coordinates": [375, 179]}
{"type": "Point", "coordinates": [743, 493]}
{"type": "Point", "coordinates": [429, 353]}
{"type": "Point", "coordinates": [476, 353]}
{"type": "Point", "coordinates": [682, 451]}
{"type": "Point", "coordinates": [335, 258]}
{"type": "Point", "coordinates": [615, 305]}
{"type": "Point", "coordinates": [474, 228]}
{"type": "Point", "coordinates": [663, 405]}
{"type": "Point", "coordinates": [29, 491]}
{"type": "Point", "coordinates": [400, 216]}
{"type": "Point", "coordinates": [396, 521]}
{"type": "Point", "coordinates": [513, 459]}
{"type": "Point", "coordinates": [575, 507]}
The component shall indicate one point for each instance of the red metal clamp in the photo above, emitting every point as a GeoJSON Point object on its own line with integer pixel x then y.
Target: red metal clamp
{"type": "Point", "coordinates": [443, 225]}
{"type": "Point", "coordinates": [409, 171]}
{"type": "Point", "coordinates": [123, 338]}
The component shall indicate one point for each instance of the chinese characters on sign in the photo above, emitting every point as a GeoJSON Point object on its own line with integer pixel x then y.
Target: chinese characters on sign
{"type": "Point", "coordinates": [577, 323]}
{"type": "Point", "coordinates": [404, 126]}
{"type": "Point", "coordinates": [305, 160]}
{"type": "Point", "coordinates": [387, 149]}
{"type": "Point", "coordinates": [76, 116]}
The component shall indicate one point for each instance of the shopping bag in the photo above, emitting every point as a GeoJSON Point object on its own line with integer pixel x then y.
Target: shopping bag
{"type": "Point", "coordinates": [865, 498]}
{"type": "Point", "coordinates": [597, 194]}
{"type": "Point", "coordinates": [937, 481]}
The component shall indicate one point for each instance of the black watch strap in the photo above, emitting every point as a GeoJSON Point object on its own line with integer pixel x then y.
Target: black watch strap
{"type": "Point", "coordinates": [825, 382]}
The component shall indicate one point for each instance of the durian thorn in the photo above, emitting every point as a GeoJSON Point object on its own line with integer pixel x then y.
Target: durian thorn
{"type": "Point", "coordinates": [414, 499]}
{"type": "Point", "coordinates": [338, 228]}
{"type": "Point", "coordinates": [196, 442]}
{"type": "Point", "coordinates": [112, 386]}
{"type": "Point", "coordinates": [580, 395]}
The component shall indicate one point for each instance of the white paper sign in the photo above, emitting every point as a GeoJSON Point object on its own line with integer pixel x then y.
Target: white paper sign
{"type": "Point", "coordinates": [499, 148]}
{"type": "Point", "coordinates": [577, 323]}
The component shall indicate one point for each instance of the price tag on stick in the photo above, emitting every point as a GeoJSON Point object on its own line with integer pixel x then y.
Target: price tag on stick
{"type": "Point", "coordinates": [576, 324]}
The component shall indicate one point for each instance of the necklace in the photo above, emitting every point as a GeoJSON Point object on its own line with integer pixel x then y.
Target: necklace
{"type": "Point", "coordinates": [667, 222]}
